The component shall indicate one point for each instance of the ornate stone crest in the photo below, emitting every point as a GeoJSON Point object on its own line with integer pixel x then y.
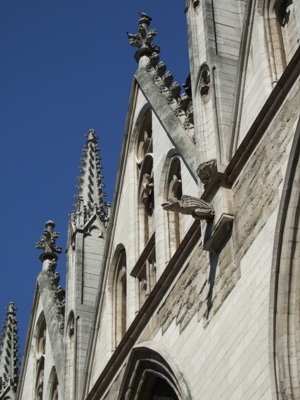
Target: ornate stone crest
{"type": "Point", "coordinates": [47, 242]}
{"type": "Point", "coordinates": [143, 39]}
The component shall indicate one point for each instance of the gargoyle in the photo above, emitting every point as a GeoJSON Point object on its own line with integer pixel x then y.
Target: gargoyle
{"type": "Point", "coordinates": [198, 208]}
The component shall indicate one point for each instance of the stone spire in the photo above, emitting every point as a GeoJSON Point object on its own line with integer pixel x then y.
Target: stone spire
{"type": "Point", "coordinates": [143, 39]}
{"type": "Point", "coordinates": [90, 197]}
{"type": "Point", "coordinates": [9, 356]}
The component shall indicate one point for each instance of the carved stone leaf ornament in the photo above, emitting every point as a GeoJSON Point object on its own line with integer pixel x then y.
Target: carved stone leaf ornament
{"type": "Point", "coordinates": [143, 39]}
{"type": "Point", "coordinates": [48, 241]}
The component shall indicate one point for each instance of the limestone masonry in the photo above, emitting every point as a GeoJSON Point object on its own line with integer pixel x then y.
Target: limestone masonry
{"type": "Point", "coordinates": [187, 287]}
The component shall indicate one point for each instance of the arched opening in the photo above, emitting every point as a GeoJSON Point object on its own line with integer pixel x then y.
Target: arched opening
{"type": "Point", "coordinates": [144, 138]}
{"type": "Point", "coordinates": [119, 291]}
{"type": "Point", "coordinates": [146, 196]}
{"type": "Point", "coordinates": [285, 288]}
{"type": "Point", "coordinates": [149, 376]}
{"type": "Point", "coordinates": [144, 149]}
{"type": "Point", "coordinates": [40, 351]}
{"type": "Point", "coordinates": [275, 45]}
{"type": "Point", "coordinates": [52, 392]}
{"type": "Point", "coordinates": [173, 189]}
{"type": "Point", "coordinates": [70, 354]}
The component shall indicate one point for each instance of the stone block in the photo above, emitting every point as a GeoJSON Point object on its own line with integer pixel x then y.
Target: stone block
{"type": "Point", "coordinates": [217, 232]}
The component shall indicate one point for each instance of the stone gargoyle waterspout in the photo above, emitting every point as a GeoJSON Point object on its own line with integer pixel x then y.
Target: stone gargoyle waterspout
{"type": "Point", "coordinates": [194, 206]}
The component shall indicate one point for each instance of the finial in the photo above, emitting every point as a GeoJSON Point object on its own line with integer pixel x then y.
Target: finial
{"type": "Point", "coordinates": [11, 308]}
{"type": "Point", "coordinates": [47, 243]}
{"type": "Point", "coordinates": [143, 39]}
{"type": "Point", "coordinates": [91, 135]}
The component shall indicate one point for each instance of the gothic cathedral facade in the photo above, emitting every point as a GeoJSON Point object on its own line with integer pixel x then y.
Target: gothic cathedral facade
{"type": "Point", "coordinates": [188, 286]}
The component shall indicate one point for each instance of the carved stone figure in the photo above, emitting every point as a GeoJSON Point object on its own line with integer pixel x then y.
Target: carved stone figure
{"type": "Point", "coordinates": [198, 208]}
{"type": "Point", "coordinates": [206, 171]}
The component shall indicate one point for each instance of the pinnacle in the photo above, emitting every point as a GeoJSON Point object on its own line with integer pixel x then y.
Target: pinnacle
{"type": "Point", "coordinates": [90, 187]}
{"type": "Point", "coordinates": [9, 356]}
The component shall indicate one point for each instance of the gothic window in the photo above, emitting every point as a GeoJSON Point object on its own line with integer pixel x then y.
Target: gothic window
{"type": "Point", "coordinates": [173, 189]}
{"type": "Point", "coordinates": [70, 354]}
{"type": "Point", "coordinates": [119, 297]}
{"type": "Point", "coordinates": [275, 42]}
{"type": "Point", "coordinates": [146, 196]}
{"type": "Point", "coordinates": [146, 278]}
{"type": "Point", "coordinates": [281, 34]}
{"type": "Point", "coordinates": [71, 325]}
{"type": "Point", "coordinates": [144, 142]}
{"type": "Point", "coordinates": [40, 360]}
{"type": "Point", "coordinates": [145, 271]}
{"type": "Point", "coordinates": [144, 157]}
{"type": "Point", "coordinates": [54, 389]}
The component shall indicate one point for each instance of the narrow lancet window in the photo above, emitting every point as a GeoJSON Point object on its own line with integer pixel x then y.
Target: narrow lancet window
{"type": "Point", "coordinates": [119, 300]}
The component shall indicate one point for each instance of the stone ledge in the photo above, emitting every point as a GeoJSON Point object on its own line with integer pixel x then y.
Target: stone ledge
{"type": "Point", "coordinates": [216, 236]}
{"type": "Point", "coordinates": [218, 231]}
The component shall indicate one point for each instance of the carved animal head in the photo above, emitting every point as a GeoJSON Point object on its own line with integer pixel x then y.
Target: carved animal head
{"type": "Point", "coordinates": [171, 205]}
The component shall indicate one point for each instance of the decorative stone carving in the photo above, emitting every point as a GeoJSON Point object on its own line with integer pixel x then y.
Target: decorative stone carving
{"type": "Point", "coordinates": [189, 205]}
{"type": "Point", "coordinates": [188, 2]}
{"type": "Point", "coordinates": [47, 242]}
{"type": "Point", "coordinates": [58, 296]}
{"type": "Point", "coordinates": [187, 86]}
{"type": "Point", "coordinates": [282, 11]}
{"type": "Point", "coordinates": [189, 120]}
{"type": "Point", "coordinates": [204, 79]}
{"type": "Point", "coordinates": [181, 104]}
{"type": "Point", "coordinates": [146, 192]}
{"type": "Point", "coordinates": [175, 90]}
{"type": "Point", "coordinates": [143, 39]}
{"type": "Point", "coordinates": [206, 171]}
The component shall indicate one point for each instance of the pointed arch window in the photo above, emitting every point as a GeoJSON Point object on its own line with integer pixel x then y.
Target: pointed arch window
{"type": "Point", "coordinates": [275, 43]}
{"type": "Point", "coordinates": [173, 189]}
{"type": "Point", "coordinates": [119, 297]}
{"type": "Point", "coordinates": [54, 389]}
{"type": "Point", "coordinates": [40, 359]}
{"type": "Point", "coordinates": [281, 34]}
{"type": "Point", "coordinates": [145, 271]}
{"type": "Point", "coordinates": [71, 358]}
{"type": "Point", "coordinates": [144, 149]}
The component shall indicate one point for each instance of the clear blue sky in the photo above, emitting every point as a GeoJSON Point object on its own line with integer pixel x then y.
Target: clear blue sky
{"type": "Point", "coordinates": [66, 66]}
